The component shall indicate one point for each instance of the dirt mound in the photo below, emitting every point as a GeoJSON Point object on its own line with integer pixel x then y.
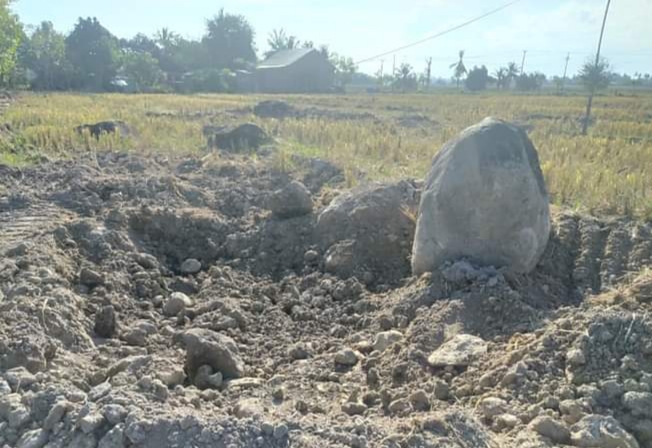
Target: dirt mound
{"type": "Point", "coordinates": [148, 302]}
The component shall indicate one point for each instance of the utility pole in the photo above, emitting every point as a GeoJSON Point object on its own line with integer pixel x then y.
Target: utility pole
{"type": "Point", "coordinates": [428, 72]}
{"type": "Point", "coordinates": [589, 104]}
{"type": "Point", "coordinates": [523, 62]}
{"type": "Point", "coordinates": [382, 73]}
{"type": "Point", "coordinates": [563, 81]}
{"type": "Point", "coordinates": [394, 66]}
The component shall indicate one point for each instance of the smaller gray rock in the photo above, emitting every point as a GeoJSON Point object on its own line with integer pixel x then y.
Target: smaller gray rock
{"type": "Point", "coordinates": [90, 278]}
{"type": "Point", "coordinates": [599, 431]}
{"type": "Point", "coordinates": [89, 423]}
{"type": "Point", "coordinates": [20, 377]}
{"type": "Point", "coordinates": [386, 339]}
{"type": "Point", "coordinates": [190, 266]}
{"type": "Point", "coordinates": [441, 390]}
{"type": "Point", "coordinates": [114, 413]}
{"type": "Point", "coordinates": [354, 408]}
{"type": "Point", "coordinates": [492, 407]}
{"type": "Point", "coordinates": [56, 414]}
{"type": "Point", "coordinates": [460, 351]}
{"type": "Point", "coordinates": [291, 201]}
{"type": "Point", "coordinates": [347, 357]}
{"type": "Point", "coordinates": [419, 400]}
{"type": "Point", "coordinates": [176, 303]}
{"type": "Point", "coordinates": [99, 391]}
{"type": "Point", "coordinates": [639, 403]}
{"type": "Point", "coordinates": [115, 438]}
{"type": "Point", "coordinates": [105, 322]}
{"type": "Point", "coordinates": [33, 439]}
{"type": "Point", "coordinates": [281, 431]}
{"type": "Point", "coordinates": [206, 347]}
{"type": "Point", "coordinates": [550, 428]}
{"type": "Point", "coordinates": [576, 357]}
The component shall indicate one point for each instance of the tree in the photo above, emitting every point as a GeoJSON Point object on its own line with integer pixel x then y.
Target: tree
{"type": "Point", "coordinates": [532, 81]}
{"type": "Point", "coordinates": [477, 79]}
{"type": "Point", "coordinates": [165, 39]}
{"type": "Point", "coordinates": [512, 72]}
{"type": "Point", "coordinates": [459, 70]}
{"type": "Point", "coordinates": [93, 52]}
{"type": "Point", "coordinates": [278, 41]}
{"type": "Point", "coordinates": [502, 78]}
{"type": "Point", "coordinates": [141, 43]}
{"type": "Point", "coordinates": [229, 41]}
{"type": "Point", "coordinates": [345, 68]}
{"type": "Point", "coordinates": [143, 69]}
{"type": "Point", "coordinates": [11, 33]}
{"type": "Point", "coordinates": [404, 79]}
{"type": "Point", "coordinates": [595, 77]}
{"type": "Point", "coordinates": [44, 54]}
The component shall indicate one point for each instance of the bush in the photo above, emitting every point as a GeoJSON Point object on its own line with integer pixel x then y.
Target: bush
{"type": "Point", "coordinates": [477, 79]}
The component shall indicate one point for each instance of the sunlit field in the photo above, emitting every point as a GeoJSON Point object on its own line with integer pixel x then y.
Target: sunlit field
{"type": "Point", "coordinates": [383, 136]}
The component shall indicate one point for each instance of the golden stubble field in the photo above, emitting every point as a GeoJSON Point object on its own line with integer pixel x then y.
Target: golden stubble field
{"type": "Point", "coordinates": [384, 136]}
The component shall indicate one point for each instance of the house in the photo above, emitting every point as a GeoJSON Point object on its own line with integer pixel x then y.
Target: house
{"type": "Point", "coordinates": [301, 70]}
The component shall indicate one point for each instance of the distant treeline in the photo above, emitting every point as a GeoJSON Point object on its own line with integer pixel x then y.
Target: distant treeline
{"type": "Point", "coordinates": [91, 58]}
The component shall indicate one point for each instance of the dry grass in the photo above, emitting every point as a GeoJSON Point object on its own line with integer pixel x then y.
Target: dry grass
{"type": "Point", "coordinates": [608, 171]}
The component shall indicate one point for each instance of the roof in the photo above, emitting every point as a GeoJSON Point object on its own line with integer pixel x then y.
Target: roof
{"type": "Point", "coordinates": [284, 58]}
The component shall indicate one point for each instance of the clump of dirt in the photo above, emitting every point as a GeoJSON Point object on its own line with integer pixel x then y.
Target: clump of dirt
{"type": "Point", "coordinates": [149, 302]}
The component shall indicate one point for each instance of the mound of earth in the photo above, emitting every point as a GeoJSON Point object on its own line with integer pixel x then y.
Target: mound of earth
{"type": "Point", "coordinates": [150, 302]}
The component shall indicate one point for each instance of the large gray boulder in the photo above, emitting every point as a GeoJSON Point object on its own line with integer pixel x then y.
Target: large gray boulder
{"type": "Point", "coordinates": [485, 199]}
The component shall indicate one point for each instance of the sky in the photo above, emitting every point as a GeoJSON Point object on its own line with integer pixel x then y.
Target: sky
{"type": "Point", "coordinates": [547, 29]}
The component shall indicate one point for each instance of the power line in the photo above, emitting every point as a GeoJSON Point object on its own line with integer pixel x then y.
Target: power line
{"type": "Point", "coordinates": [434, 36]}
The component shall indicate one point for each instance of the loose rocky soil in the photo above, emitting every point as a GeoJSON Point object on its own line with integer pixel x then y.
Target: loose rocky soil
{"type": "Point", "coordinates": [152, 302]}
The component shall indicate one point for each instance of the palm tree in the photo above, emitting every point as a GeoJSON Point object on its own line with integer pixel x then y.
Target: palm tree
{"type": "Point", "coordinates": [166, 38]}
{"type": "Point", "coordinates": [501, 77]}
{"type": "Point", "coordinates": [459, 68]}
{"type": "Point", "coordinates": [512, 72]}
{"type": "Point", "coordinates": [278, 41]}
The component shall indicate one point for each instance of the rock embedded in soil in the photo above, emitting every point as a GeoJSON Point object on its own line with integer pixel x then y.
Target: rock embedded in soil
{"type": "Point", "coordinates": [484, 199]}
{"type": "Point", "coordinates": [105, 322]}
{"type": "Point", "coordinates": [492, 407]}
{"type": "Point", "coordinates": [386, 339]}
{"type": "Point", "coordinates": [638, 403]}
{"type": "Point", "coordinates": [354, 408]}
{"type": "Point", "coordinates": [190, 266]}
{"type": "Point", "coordinates": [243, 137]}
{"type": "Point", "coordinates": [601, 432]}
{"type": "Point", "coordinates": [206, 347]}
{"type": "Point", "coordinates": [460, 351]}
{"type": "Point", "coordinates": [291, 201]}
{"type": "Point", "coordinates": [550, 428]}
{"type": "Point", "coordinates": [176, 303]}
{"type": "Point", "coordinates": [347, 357]}
{"type": "Point", "coordinates": [90, 278]}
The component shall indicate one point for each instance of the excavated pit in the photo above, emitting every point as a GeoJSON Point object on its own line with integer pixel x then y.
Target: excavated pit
{"type": "Point", "coordinates": [92, 355]}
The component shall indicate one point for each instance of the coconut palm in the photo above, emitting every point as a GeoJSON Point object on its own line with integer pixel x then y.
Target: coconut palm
{"type": "Point", "coordinates": [459, 70]}
{"type": "Point", "coordinates": [501, 77]}
{"type": "Point", "coordinates": [512, 72]}
{"type": "Point", "coordinates": [166, 38]}
{"type": "Point", "coordinates": [278, 41]}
